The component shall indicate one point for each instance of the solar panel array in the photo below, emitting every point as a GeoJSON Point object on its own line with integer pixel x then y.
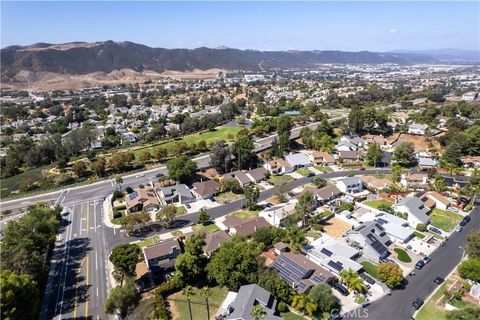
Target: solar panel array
{"type": "Point", "coordinates": [288, 270]}
{"type": "Point", "coordinates": [335, 265]}
{"type": "Point", "coordinates": [318, 278]}
{"type": "Point", "coordinates": [132, 195]}
{"type": "Point", "coordinates": [326, 252]}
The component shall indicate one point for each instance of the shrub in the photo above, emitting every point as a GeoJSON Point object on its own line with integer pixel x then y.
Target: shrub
{"type": "Point", "coordinates": [282, 307]}
{"type": "Point", "coordinates": [117, 195]}
{"type": "Point", "coordinates": [421, 227]}
{"type": "Point", "coordinates": [129, 190]}
{"type": "Point", "coordinates": [116, 213]}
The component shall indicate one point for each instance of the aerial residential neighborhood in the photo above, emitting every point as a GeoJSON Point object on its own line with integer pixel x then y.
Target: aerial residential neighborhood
{"type": "Point", "coordinates": [240, 160]}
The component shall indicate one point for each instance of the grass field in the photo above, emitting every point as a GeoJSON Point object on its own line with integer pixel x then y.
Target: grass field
{"type": "Point", "coordinates": [147, 242]}
{"type": "Point", "coordinates": [370, 268]}
{"type": "Point", "coordinates": [199, 309]}
{"type": "Point", "coordinates": [246, 214]}
{"type": "Point", "coordinates": [291, 316]}
{"type": "Point", "coordinates": [209, 137]}
{"type": "Point", "coordinates": [210, 228]}
{"type": "Point", "coordinates": [323, 169]}
{"type": "Point", "coordinates": [402, 255]}
{"type": "Point", "coordinates": [444, 220]}
{"type": "Point", "coordinates": [227, 197]}
{"type": "Point", "coordinates": [181, 210]}
{"type": "Point", "coordinates": [430, 310]}
{"type": "Point", "coordinates": [303, 171]}
{"type": "Point", "coordinates": [13, 183]}
{"type": "Point", "coordinates": [377, 203]}
{"type": "Point", "coordinates": [276, 180]}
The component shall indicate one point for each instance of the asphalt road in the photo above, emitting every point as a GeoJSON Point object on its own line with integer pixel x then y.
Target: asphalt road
{"type": "Point", "coordinates": [398, 306]}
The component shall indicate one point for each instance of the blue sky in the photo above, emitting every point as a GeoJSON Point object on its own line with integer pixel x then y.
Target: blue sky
{"type": "Point", "coordinates": [374, 26]}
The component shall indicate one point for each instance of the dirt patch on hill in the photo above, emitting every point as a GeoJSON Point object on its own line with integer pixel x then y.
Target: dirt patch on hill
{"type": "Point", "coordinates": [420, 142]}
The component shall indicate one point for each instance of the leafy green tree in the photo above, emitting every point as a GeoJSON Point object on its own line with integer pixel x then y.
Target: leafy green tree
{"type": "Point", "coordinates": [182, 169]}
{"type": "Point", "coordinates": [191, 264]}
{"type": "Point", "coordinates": [161, 153]}
{"type": "Point", "coordinates": [355, 120]}
{"type": "Point", "coordinates": [473, 244]}
{"type": "Point", "coordinates": [220, 157]}
{"type": "Point", "coordinates": [284, 125]}
{"type": "Point", "coordinates": [258, 312]}
{"type": "Point", "coordinates": [204, 217]}
{"type": "Point", "coordinates": [470, 269]}
{"type": "Point", "coordinates": [473, 139]}
{"type": "Point", "coordinates": [145, 157]}
{"type": "Point", "coordinates": [98, 167]}
{"type": "Point", "coordinates": [79, 168]}
{"type": "Point", "coordinates": [404, 155]}
{"type": "Point", "coordinates": [234, 264]}
{"type": "Point", "coordinates": [295, 238]}
{"type": "Point", "coordinates": [124, 258]}
{"type": "Point", "coordinates": [390, 273]}
{"type": "Point", "coordinates": [122, 299]}
{"type": "Point", "coordinates": [319, 182]}
{"type": "Point", "coordinates": [452, 155]}
{"type": "Point", "coordinates": [251, 194]}
{"type": "Point", "coordinates": [243, 151]}
{"type": "Point", "coordinates": [467, 313]}
{"type": "Point", "coordinates": [322, 296]}
{"type": "Point", "coordinates": [167, 214]}
{"type": "Point", "coordinates": [305, 208]}
{"type": "Point", "coordinates": [374, 154]}
{"type": "Point", "coordinates": [18, 291]}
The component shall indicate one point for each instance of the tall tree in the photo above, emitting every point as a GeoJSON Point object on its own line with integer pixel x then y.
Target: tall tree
{"type": "Point", "coordinates": [124, 258]}
{"type": "Point", "coordinates": [191, 264]}
{"type": "Point", "coordinates": [323, 297]}
{"type": "Point", "coordinates": [374, 154]}
{"type": "Point", "coordinates": [122, 299]}
{"type": "Point", "coordinates": [182, 169]}
{"type": "Point", "coordinates": [243, 151]}
{"type": "Point", "coordinates": [18, 291]}
{"type": "Point", "coordinates": [188, 292]}
{"type": "Point", "coordinates": [452, 155]}
{"type": "Point", "coordinates": [404, 155]}
{"type": "Point", "coordinates": [305, 207]}
{"type": "Point", "coordinates": [167, 214]}
{"type": "Point", "coordinates": [98, 167]}
{"type": "Point", "coordinates": [473, 244]}
{"type": "Point", "coordinates": [252, 194]}
{"type": "Point", "coordinates": [355, 120]}
{"type": "Point", "coordinates": [390, 273]}
{"type": "Point", "coordinates": [206, 293]}
{"type": "Point", "coordinates": [284, 125]}
{"type": "Point", "coordinates": [220, 157]}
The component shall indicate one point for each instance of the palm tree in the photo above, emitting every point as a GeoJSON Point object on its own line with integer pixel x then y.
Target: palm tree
{"type": "Point", "coordinates": [206, 293]}
{"type": "Point", "coordinates": [356, 284]}
{"type": "Point", "coordinates": [118, 182]}
{"type": "Point", "coordinates": [258, 312]}
{"type": "Point", "coordinates": [346, 276]}
{"type": "Point", "coordinates": [188, 292]}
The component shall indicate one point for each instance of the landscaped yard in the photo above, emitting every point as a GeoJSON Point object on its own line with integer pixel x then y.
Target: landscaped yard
{"type": "Point", "coordinates": [291, 316]}
{"type": "Point", "coordinates": [227, 197]}
{"type": "Point", "coordinates": [147, 242]}
{"type": "Point", "coordinates": [444, 220]}
{"type": "Point", "coordinates": [402, 255]}
{"type": "Point", "coordinates": [13, 183]}
{"type": "Point", "coordinates": [419, 235]}
{"type": "Point", "coordinates": [179, 304]}
{"type": "Point", "coordinates": [181, 210]}
{"type": "Point", "coordinates": [323, 169]}
{"type": "Point", "coordinates": [246, 214]}
{"type": "Point", "coordinates": [208, 137]}
{"type": "Point", "coordinates": [276, 180]}
{"type": "Point", "coordinates": [370, 268]}
{"type": "Point", "coordinates": [430, 310]}
{"type": "Point", "coordinates": [303, 171]}
{"type": "Point", "coordinates": [377, 203]}
{"type": "Point", "coordinates": [209, 228]}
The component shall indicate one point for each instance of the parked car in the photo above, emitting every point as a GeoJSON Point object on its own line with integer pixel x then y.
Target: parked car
{"type": "Point", "coordinates": [426, 259]}
{"type": "Point", "coordinates": [310, 174]}
{"type": "Point", "coordinates": [417, 303]}
{"type": "Point", "coordinates": [367, 278]}
{"type": "Point", "coordinates": [420, 264]}
{"type": "Point", "coordinates": [436, 230]}
{"type": "Point", "coordinates": [159, 175]}
{"type": "Point", "coordinates": [337, 286]}
{"type": "Point", "coordinates": [452, 209]}
{"type": "Point", "coordinates": [438, 280]}
{"type": "Point", "coordinates": [465, 221]}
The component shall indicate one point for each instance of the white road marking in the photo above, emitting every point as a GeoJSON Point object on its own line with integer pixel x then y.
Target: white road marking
{"type": "Point", "coordinates": [65, 267]}
{"type": "Point", "coordinates": [96, 262]}
{"type": "Point", "coordinates": [97, 296]}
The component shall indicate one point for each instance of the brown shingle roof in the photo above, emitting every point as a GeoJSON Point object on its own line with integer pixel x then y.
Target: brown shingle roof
{"type": "Point", "coordinates": [214, 240]}
{"type": "Point", "coordinates": [206, 187]}
{"type": "Point", "coordinates": [162, 248]}
{"type": "Point", "coordinates": [251, 225]}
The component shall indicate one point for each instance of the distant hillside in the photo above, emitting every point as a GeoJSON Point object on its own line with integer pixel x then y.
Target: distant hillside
{"type": "Point", "coordinates": [447, 55]}
{"type": "Point", "coordinates": [79, 58]}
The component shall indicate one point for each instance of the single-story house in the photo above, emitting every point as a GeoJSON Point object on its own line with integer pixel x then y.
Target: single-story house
{"type": "Point", "coordinates": [395, 227]}
{"type": "Point", "coordinates": [375, 184]}
{"type": "Point", "coordinates": [240, 176]}
{"type": "Point", "coordinates": [322, 195]}
{"type": "Point", "coordinates": [258, 174]}
{"type": "Point", "coordinates": [206, 189]}
{"type": "Point", "coordinates": [418, 129]}
{"type": "Point", "coordinates": [178, 193]}
{"type": "Point", "coordinates": [298, 160]}
{"type": "Point", "coordinates": [213, 241]}
{"type": "Point", "coordinates": [276, 215]}
{"type": "Point", "coordinates": [248, 227]}
{"type": "Point", "coordinates": [441, 202]}
{"type": "Point", "coordinates": [249, 296]}
{"type": "Point", "coordinates": [350, 156]}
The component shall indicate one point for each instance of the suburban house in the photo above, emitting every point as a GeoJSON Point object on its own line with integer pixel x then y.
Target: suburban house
{"type": "Point", "coordinates": [258, 174]}
{"type": "Point", "coordinates": [375, 184]}
{"type": "Point", "coordinates": [213, 241]}
{"type": "Point", "coordinates": [299, 272]}
{"type": "Point", "coordinates": [245, 228]}
{"type": "Point", "coordinates": [371, 238]}
{"type": "Point", "coordinates": [441, 202]}
{"type": "Point", "coordinates": [206, 189]}
{"type": "Point", "coordinates": [471, 161]}
{"type": "Point", "coordinates": [350, 143]}
{"type": "Point", "coordinates": [142, 199]}
{"type": "Point", "coordinates": [249, 296]}
{"type": "Point", "coordinates": [278, 166]}
{"type": "Point", "coordinates": [350, 185]}
{"type": "Point", "coordinates": [298, 160]}
{"type": "Point", "coordinates": [345, 146]}
{"type": "Point", "coordinates": [178, 193]}
{"type": "Point", "coordinates": [395, 227]}
{"type": "Point", "coordinates": [322, 195]}
{"type": "Point", "coordinates": [161, 257]}
{"type": "Point", "coordinates": [415, 209]}
{"type": "Point", "coordinates": [426, 162]}
{"type": "Point", "coordinates": [276, 215]}
{"type": "Point", "coordinates": [350, 156]}
{"type": "Point", "coordinates": [333, 255]}
{"type": "Point", "coordinates": [240, 176]}
{"type": "Point", "coordinates": [320, 158]}
{"type": "Point", "coordinates": [418, 129]}
{"type": "Point", "coordinates": [414, 180]}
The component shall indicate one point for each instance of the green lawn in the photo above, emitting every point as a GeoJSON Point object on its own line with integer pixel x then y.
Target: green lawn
{"type": "Point", "coordinates": [143, 309]}
{"type": "Point", "coordinates": [313, 234]}
{"type": "Point", "coordinates": [246, 214]}
{"type": "Point", "coordinates": [419, 235]}
{"type": "Point", "coordinates": [402, 255]}
{"type": "Point", "coordinates": [276, 180]}
{"type": "Point", "coordinates": [181, 210]}
{"type": "Point", "coordinates": [303, 171]}
{"type": "Point", "coordinates": [227, 197]}
{"type": "Point", "coordinates": [147, 242]}
{"type": "Point", "coordinates": [11, 184]}
{"type": "Point", "coordinates": [323, 169]}
{"type": "Point", "coordinates": [210, 228]}
{"type": "Point", "coordinates": [291, 316]}
{"type": "Point", "coordinates": [177, 233]}
{"type": "Point", "coordinates": [370, 268]}
{"type": "Point", "coordinates": [199, 309]}
{"type": "Point", "coordinates": [377, 203]}
{"type": "Point", "coordinates": [430, 310]}
{"type": "Point", "coordinates": [209, 137]}
{"type": "Point", "coordinates": [444, 220]}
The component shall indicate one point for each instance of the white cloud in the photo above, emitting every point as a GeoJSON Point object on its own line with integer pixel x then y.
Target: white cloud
{"type": "Point", "coordinates": [393, 30]}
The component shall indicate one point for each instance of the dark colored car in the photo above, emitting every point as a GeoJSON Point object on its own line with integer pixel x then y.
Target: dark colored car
{"type": "Point", "coordinates": [439, 280]}
{"type": "Point", "coordinates": [344, 291]}
{"type": "Point", "coordinates": [462, 223]}
{"type": "Point", "coordinates": [417, 303]}
{"type": "Point", "coordinates": [465, 221]}
{"type": "Point", "coordinates": [159, 175]}
{"type": "Point", "coordinates": [436, 230]}
{"type": "Point", "coordinates": [367, 278]}
{"type": "Point", "coordinates": [310, 174]}
{"type": "Point", "coordinates": [420, 264]}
